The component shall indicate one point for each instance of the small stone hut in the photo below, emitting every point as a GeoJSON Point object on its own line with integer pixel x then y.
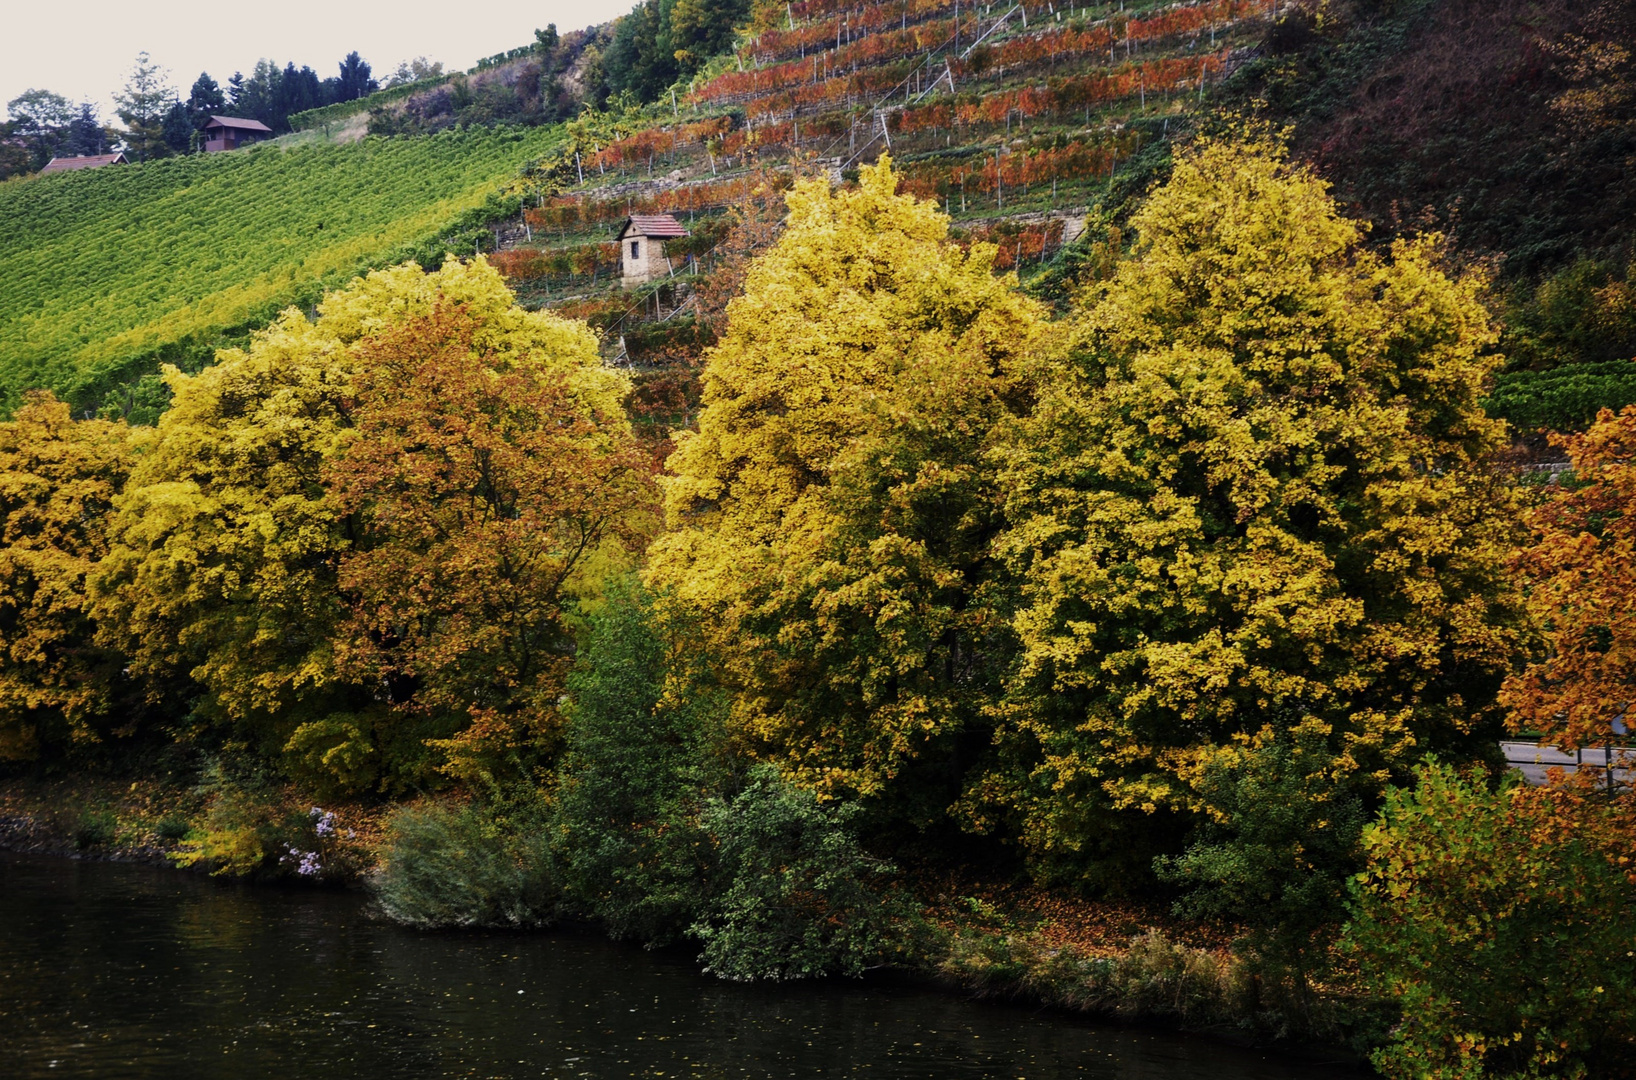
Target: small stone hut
{"type": "Point", "coordinates": [642, 247]}
{"type": "Point", "coordinates": [231, 132]}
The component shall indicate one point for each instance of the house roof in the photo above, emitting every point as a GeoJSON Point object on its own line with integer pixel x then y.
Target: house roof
{"type": "Point", "coordinates": [237, 123]}
{"type": "Point", "coordinates": [88, 161]}
{"type": "Point", "coordinates": [657, 225]}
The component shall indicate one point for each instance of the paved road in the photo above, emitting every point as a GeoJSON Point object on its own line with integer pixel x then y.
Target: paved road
{"type": "Point", "coordinates": [1533, 760]}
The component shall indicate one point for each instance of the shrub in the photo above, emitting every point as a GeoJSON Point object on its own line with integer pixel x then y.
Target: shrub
{"type": "Point", "coordinates": [464, 866]}
{"type": "Point", "coordinates": [1154, 977]}
{"type": "Point", "coordinates": [171, 827]}
{"type": "Point", "coordinates": [1500, 921]}
{"type": "Point", "coordinates": [95, 829]}
{"type": "Point", "coordinates": [252, 828]}
{"type": "Point", "coordinates": [1562, 399]}
{"type": "Point", "coordinates": [1276, 857]}
{"type": "Point", "coordinates": [801, 896]}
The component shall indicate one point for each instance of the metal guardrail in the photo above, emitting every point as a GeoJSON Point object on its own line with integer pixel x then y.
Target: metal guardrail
{"type": "Point", "coordinates": [1616, 765]}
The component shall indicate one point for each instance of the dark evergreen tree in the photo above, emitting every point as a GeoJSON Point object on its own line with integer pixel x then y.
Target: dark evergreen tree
{"type": "Point", "coordinates": [640, 59]}
{"type": "Point", "coordinates": [299, 90]}
{"type": "Point", "coordinates": [177, 128]}
{"type": "Point", "coordinates": [354, 81]}
{"type": "Point", "coordinates": [661, 41]}
{"type": "Point", "coordinates": [86, 135]}
{"type": "Point", "coordinates": [205, 99]}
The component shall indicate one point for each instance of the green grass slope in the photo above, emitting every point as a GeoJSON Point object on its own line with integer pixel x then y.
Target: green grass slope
{"type": "Point", "coordinates": [109, 272]}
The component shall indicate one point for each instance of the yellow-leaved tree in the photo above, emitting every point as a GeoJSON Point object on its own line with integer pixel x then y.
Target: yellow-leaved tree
{"type": "Point", "coordinates": [1250, 509]}
{"type": "Point", "coordinates": [830, 521]}
{"type": "Point", "coordinates": [226, 546]}
{"type": "Point", "coordinates": [58, 481]}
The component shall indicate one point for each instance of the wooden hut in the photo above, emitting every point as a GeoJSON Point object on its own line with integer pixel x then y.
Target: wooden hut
{"type": "Point", "coordinates": [642, 247]}
{"type": "Point", "coordinates": [230, 133]}
{"type": "Point", "coordinates": [84, 161]}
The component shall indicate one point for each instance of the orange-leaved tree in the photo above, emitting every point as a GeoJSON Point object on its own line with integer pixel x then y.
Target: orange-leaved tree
{"type": "Point", "coordinates": [222, 573]}
{"type": "Point", "coordinates": [58, 481]}
{"type": "Point", "coordinates": [1580, 582]}
{"type": "Point", "coordinates": [489, 493]}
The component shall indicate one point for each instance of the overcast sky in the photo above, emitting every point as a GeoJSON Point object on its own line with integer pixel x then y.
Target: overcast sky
{"type": "Point", "coordinates": [83, 49]}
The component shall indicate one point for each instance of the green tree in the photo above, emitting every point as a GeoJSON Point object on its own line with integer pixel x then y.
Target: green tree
{"type": "Point", "coordinates": [41, 111]}
{"type": "Point", "coordinates": [801, 898]}
{"type": "Point", "coordinates": [87, 135]}
{"type": "Point", "coordinates": [1251, 498]}
{"type": "Point", "coordinates": [143, 105]}
{"type": "Point", "coordinates": [701, 29]}
{"type": "Point", "coordinates": [43, 120]}
{"type": "Point", "coordinates": [830, 520]}
{"type": "Point", "coordinates": [1275, 855]}
{"type": "Point", "coordinates": [641, 758]}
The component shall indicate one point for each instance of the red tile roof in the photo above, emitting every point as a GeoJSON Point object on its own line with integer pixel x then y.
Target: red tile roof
{"type": "Point", "coordinates": [89, 161]}
{"type": "Point", "coordinates": [658, 225]}
{"type": "Point", "coordinates": [241, 125]}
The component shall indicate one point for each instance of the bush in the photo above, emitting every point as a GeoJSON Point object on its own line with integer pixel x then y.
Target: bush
{"type": "Point", "coordinates": [1500, 921]}
{"type": "Point", "coordinates": [253, 828]}
{"type": "Point", "coordinates": [1277, 856]}
{"type": "Point", "coordinates": [800, 897]}
{"type": "Point", "coordinates": [1153, 978]}
{"type": "Point", "coordinates": [171, 827]}
{"type": "Point", "coordinates": [95, 829]}
{"type": "Point", "coordinates": [464, 866]}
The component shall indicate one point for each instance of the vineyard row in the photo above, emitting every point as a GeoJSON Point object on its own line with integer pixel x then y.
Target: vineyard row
{"type": "Point", "coordinates": [737, 87]}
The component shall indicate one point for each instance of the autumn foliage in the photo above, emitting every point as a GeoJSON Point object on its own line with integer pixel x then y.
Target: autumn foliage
{"type": "Point", "coordinates": [1580, 579]}
{"type": "Point", "coordinates": [1249, 501]}
{"type": "Point", "coordinates": [58, 482]}
{"type": "Point", "coordinates": [486, 493]}
{"type": "Point", "coordinates": [829, 520]}
{"type": "Point", "coordinates": [1499, 919]}
{"type": "Point", "coordinates": [247, 562]}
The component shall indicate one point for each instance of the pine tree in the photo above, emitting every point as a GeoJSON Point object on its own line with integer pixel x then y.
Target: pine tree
{"type": "Point", "coordinates": [143, 106]}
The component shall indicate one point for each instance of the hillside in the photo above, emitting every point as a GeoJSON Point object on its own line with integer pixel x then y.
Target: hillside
{"type": "Point", "coordinates": [110, 271]}
{"type": "Point", "coordinates": [1033, 127]}
{"type": "Point", "coordinates": [1507, 126]}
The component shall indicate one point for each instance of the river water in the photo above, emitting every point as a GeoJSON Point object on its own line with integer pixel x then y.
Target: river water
{"type": "Point", "coordinates": [119, 970]}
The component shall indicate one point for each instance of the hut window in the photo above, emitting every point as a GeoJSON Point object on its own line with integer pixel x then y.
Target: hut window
{"type": "Point", "coordinates": [636, 249]}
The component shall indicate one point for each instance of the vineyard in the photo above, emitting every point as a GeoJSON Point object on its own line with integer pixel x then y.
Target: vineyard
{"type": "Point", "coordinates": [1016, 118]}
{"type": "Point", "coordinates": [110, 271]}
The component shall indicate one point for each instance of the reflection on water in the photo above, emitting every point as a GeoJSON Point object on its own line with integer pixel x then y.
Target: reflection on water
{"type": "Point", "coordinates": [111, 970]}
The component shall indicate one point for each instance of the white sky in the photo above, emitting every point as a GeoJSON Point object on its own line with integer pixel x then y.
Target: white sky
{"type": "Point", "coordinates": [84, 50]}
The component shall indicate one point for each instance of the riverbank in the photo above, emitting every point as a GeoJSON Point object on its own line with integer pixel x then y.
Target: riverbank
{"type": "Point", "coordinates": [1003, 941]}
{"type": "Point", "coordinates": [120, 969]}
